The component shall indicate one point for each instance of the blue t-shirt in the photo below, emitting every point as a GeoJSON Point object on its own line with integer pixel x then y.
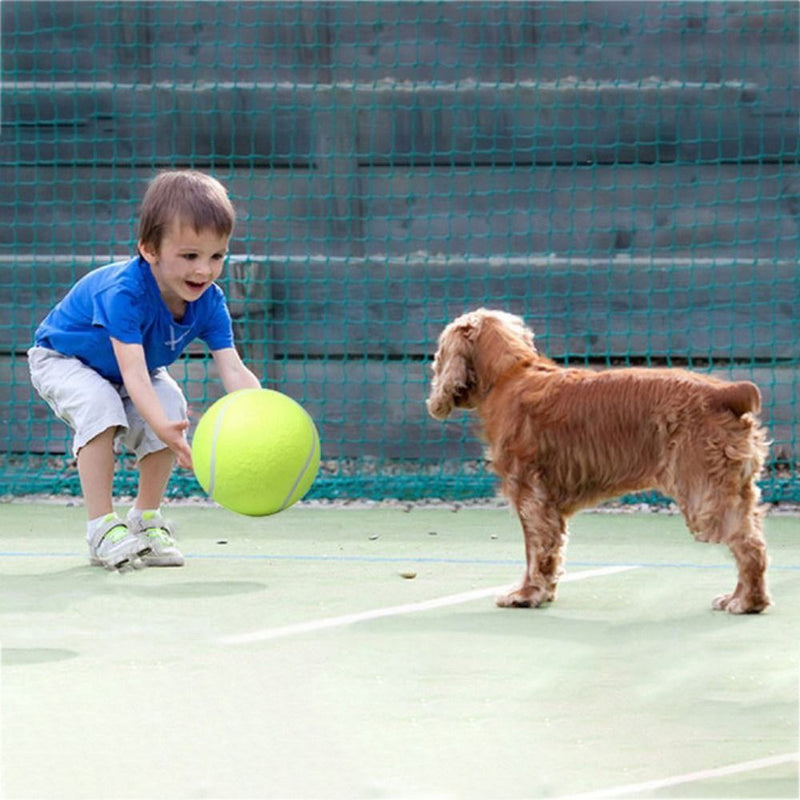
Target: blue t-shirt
{"type": "Point", "coordinates": [123, 300]}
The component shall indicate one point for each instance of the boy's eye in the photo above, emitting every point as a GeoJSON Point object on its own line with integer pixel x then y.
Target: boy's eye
{"type": "Point", "coordinates": [190, 256]}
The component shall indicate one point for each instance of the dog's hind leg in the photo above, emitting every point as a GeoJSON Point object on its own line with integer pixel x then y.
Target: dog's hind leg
{"type": "Point", "coordinates": [545, 532]}
{"type": "Point", "coordinates": [737, 522]}
{"type": "Point", "coordinates": [744, 536]}
{"type": "Point", "coordinates": [751, 595]}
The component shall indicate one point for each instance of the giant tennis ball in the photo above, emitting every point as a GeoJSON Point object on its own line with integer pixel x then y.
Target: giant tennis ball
{"type": "Point", "coordinates": [256, 451]}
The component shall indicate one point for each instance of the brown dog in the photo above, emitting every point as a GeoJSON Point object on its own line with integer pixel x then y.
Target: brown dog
{"type": "Point", "coordinates": [562, 439]}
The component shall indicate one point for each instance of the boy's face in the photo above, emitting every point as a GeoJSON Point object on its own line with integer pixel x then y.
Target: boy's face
{"type": "Point", "coordinates": [186, 264]}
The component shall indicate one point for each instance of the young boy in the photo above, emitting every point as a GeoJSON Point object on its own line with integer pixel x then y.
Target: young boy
{"type": "Point", "coordinates": [100, 359]}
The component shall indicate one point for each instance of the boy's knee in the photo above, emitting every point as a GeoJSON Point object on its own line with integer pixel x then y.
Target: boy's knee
{"type": "Point", "coordinates": [98, 438]}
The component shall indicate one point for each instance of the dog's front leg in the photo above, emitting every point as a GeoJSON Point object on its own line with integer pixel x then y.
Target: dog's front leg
{"type": "Point", "coordinates": [545, 532]}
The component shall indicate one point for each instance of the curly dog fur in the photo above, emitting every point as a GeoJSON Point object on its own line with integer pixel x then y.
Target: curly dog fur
{"type": "Point", "coordinates": [562, 439]}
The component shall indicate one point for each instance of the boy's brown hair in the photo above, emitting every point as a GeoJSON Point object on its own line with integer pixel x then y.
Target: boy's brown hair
{"type": "Point", "coordinates": [189, 197]}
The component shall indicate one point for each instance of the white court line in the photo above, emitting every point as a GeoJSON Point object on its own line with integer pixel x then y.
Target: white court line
{"type": "Point", "coordinates": [689, 777]}
{"type": "Point", "coordinates": [311, 626]}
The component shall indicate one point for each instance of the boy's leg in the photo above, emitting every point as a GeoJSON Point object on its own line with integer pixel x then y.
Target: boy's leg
{"type": "Point", "coordinates": [112, 543]}
{"type": "Point", "coordinates": [155, 470]}
{"type": "Point", "coordinates": [96, 470]}
{"type": "Point", "coordinates": [92, 407]}
{"type": "Point", "coordinates": [145, 516]}
{"type": "Point", "coordinates": [155, 464]}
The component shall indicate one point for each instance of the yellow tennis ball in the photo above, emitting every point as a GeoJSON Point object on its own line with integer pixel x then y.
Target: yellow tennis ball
{"type": "Point", "coordinates": [256, 452]}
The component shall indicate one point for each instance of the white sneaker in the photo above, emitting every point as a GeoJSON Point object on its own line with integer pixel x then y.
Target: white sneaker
{"type": "Point", "coordinates": [115, 546]}
{"type": "Point", "coordinates": [160, 536]}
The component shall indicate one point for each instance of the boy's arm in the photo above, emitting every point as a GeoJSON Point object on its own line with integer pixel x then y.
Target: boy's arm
{"type": "Point", "coordinates": [232, 371]}
{"type": "Point", "coordinates": [136, 378]}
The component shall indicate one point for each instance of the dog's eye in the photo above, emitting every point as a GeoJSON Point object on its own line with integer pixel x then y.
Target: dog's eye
{"type": "Point", "coordinates": [460, 394]}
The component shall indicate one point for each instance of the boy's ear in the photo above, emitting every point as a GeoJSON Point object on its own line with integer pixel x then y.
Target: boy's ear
{"type": "Point", "coordinates": [147, 251]}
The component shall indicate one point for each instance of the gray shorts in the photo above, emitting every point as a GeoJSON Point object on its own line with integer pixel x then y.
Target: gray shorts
{"type": "Point", "coordinates": [91, 404]}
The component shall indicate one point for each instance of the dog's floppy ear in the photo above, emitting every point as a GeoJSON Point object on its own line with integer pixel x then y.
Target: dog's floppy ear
{"type": "Point", "coordinates": [453, 373]}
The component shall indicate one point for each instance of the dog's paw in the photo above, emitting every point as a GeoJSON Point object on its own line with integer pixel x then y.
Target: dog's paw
{"type": "Point", "coordinates": [721, 602]}
{"type": "Point", "coordinates": [513, 600]}
{"type": "Point", "coordinates": [524, 598]}
{"type": "Point", "coordinates": [734, 604]}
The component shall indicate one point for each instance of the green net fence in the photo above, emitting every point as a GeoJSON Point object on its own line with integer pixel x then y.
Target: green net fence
{"type": "Point", "coordinates": [623, 174]}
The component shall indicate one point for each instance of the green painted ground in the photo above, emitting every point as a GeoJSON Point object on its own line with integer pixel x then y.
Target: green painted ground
{"type": "Point", "coordinates": [135, 686]}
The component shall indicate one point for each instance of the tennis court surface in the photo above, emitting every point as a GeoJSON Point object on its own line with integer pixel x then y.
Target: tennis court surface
{"type": "Point", "coordinates": [357, 653]}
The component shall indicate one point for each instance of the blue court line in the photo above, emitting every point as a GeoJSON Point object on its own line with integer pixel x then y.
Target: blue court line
{"type": "Point", "coordinates": [413, 559]}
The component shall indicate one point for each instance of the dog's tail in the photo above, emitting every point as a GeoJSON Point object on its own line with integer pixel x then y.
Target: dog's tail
{"type": "Point", "coordinates": [740, 398]}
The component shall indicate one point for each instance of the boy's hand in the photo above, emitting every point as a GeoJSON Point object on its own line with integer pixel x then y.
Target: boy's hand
{"type": "Point", "coordinates": [173, 434]}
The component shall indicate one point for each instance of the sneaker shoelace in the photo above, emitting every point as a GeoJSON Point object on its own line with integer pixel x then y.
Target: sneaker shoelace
{"type": "Point", "coordinates": [161, 534]}
{"type": "Point", "coordinates": [155, 531]}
